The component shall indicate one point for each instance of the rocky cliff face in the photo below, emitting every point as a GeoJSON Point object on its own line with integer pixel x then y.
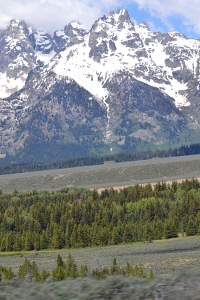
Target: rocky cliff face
{"type": "Point", "coordinates": [117, 86]}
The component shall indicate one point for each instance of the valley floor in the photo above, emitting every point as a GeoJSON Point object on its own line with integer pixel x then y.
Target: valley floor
{"type": "Point", "coordinates": [110, 174]}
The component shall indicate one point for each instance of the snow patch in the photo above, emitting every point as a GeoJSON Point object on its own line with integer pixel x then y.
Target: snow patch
{"type": "Point", "coordinates": [60, 33]}
{"type": "Point", "coordinates": [159, 56]}
{"type": "Point", "coordinates": [10, 85]}
{"type": "Point", "coordinates": [45, 58]}
{"type": "Point", "coordinates": [77, 25]}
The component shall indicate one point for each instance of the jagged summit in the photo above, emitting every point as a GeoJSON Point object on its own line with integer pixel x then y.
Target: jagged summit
{"type": "Point", "coordinates": [144, 25]}
{"type": "Point", "coordinates": [74, 28]}
{"type": "Point", "coordinates": [120, 18]}
{"type": "Point", "coordinates": [77, 25]}
{"type": "Point", "coordinates": [123, 16]}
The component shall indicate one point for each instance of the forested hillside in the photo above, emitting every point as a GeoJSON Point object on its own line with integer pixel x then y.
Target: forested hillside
{"type": "Point", "coordinates": [73, 218]}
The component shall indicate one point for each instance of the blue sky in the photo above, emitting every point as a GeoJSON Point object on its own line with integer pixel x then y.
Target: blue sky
{"type": "Point", "coordinates": [160, 15]}
{"type": "Point", "coordinates": [175, 23]}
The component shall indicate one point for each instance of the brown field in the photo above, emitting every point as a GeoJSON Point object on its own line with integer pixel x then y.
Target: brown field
{"type": "Point", "coordinates": [120, 187]}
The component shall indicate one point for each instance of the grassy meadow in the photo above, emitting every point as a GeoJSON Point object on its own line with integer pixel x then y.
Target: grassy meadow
{"type": "Point", "coordinates": [163, 256]}
{"type": "Point", "coordinates": [111, 174]}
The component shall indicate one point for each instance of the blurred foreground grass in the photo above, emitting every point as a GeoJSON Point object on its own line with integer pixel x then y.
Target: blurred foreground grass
{"type": "Point", "coordinates": [180, 285]}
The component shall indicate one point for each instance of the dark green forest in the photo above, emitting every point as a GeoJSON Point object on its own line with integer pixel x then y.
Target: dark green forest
{"type": "Point", "coordinates": [76, 218]}
{"type": "Point", "coordinates": [6, 167]}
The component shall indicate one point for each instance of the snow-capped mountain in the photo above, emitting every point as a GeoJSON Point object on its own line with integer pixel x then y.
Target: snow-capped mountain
{"type": "Point", "coordinates": [117, 86]}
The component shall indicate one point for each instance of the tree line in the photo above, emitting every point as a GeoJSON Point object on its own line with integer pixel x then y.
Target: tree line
{"type": "Point", "coordinates": [29, 271]}
{"type": "Point", "coordinates": [78, 218]}
{"type": "Point", "coordinates": [7, 168]}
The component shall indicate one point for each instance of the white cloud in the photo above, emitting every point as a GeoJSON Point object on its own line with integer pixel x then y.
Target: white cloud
{"type": "Point", "coordinates": [134, 21]}
{"type": "Point", "coordinates": [55, 14]}
{"type": "Point", "coordinates": [154, 28]}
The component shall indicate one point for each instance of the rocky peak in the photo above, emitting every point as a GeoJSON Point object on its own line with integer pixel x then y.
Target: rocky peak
{"type": "Point", "coordinates": [17, 29]}
{"type": "Point", "coordinates": [122, 18]}
{"type": "Point", "coordinates": [109, 29]}
{"type": "Point", "coordinates": [60, 39]}
{"type": "Point", "coordinates": [17, 57]}
{"type": "Point", "coordinates": [177, 35]}
{"type": "Point", "coordinates": [74, 28]}
{"type": "Point", "coordinates": [19, 25]}
{"type": "Point", "coordinates": [144, 25]}
{"type": "Point", "coordinates": [41, 41]}
{"type": "Point", "coordinates": [72, 34]}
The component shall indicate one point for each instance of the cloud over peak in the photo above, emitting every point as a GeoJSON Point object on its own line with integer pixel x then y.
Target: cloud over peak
{"type": "Point", "coordinates": [55, 14]}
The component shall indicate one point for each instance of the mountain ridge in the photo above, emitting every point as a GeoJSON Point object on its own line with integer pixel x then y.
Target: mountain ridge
{"type": "Point", "coordinates": [116, 87]}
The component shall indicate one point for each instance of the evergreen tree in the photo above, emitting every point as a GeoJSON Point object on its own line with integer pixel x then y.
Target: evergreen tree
{"type": "Point", "coordinates": [190, 230]}
{"type": "Point", "coordinates": [60, 262]}
{"type": "Point", "coordinates": [9, 241]}
{"type": "Point", "coordinates": [3, 244]}
{"type": "Point", "coordinates": [44, 275]}
{"type": "Point", "coordinates": [71, 267]}
{"type": "Point", "coordinates": [28, 242]}
{"type": "Point", "coordinates": [83, 271]}
{"type": "Point", "coordinates": [127, 237]}
{"type": "Point", "coordinates": [115, 236]}
{"type": "Point", "coordinates": [151, 274]}
{"type": "Point", "coordinates": [43, 241]}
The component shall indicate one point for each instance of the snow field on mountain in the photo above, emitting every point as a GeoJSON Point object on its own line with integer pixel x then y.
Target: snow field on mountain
{"type": "Point", "coordinates": [45, 58]}
{"type": "Point", "coordinates": [82, 69]}
{"type": "Point", "coordinates": [75, 62]}
{"type": "Point", "coordinates": [10, 85]}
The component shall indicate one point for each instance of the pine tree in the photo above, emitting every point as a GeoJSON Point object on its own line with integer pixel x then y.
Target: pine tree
{"type": "Point", "coordinates": [95, 236]}
{"type": "Point", "coordinates": [190, 230]}
{"type": "Point", "coordinates": [114, 269]}
{"type": "Point", "coordinates": [9, 241]}
{"type": "Point", "coordinates": [170, 230]}
{"type": "Point", "coordinates": [43, 241]}
{"type": "Point", "coordinates": [148, 234]}
{"type": "Point", "coordinates": [80, 238]}
{"type": "Point", "coordinates": [60, 262]}
{"type": "Point", "coordinates": [83, 272]}
{"type": "Point", "coordinates": [3, 244]}
{"type": "Point", "coordinates": [37, 242]}
{"type": "Point", "coordinates": [35, 272]}
{"type": "Point", "coordinates": [25, 269]}
{"type": "Point", "coordinates": [151, 274]}
{"type": "Point", "coordinates": [28, 242]}
{"type": "Point", "coordinates": [44, 275]}
{"type": "Point", "coordinates": [58, 238]}
{"type": "Point", "coordinates": [17, 243]}
{"type": "Point", "coordinates": [74, 237]}
{"type": "Point", "coordinates": [127, 237]}
{"type": "Point", "coordinates": [95, 195]}
{"type": "Point", "coordinates": [71, 267]}
{"type": "Point", "coordinates": [86, 237]}
{"type": "Point", "coordinates": [115, 236]}
{"type": "Point", "coordinates": [59, 274]}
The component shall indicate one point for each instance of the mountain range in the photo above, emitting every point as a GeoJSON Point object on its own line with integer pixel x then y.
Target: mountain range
{"type": "Point", "coordinates": [116, 87]}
